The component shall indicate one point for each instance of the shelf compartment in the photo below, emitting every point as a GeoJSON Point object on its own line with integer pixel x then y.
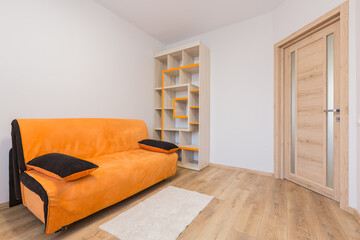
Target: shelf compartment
{"type": "Point", "coordinates": [187, 58]}
{"type": "Point", "coordinates": [191, 55]}
{"type": "Point", "coordinates": [157, 118]}
{"type": "Point", "coordinates": [174, 60]}
{"type": "Point", "coordinates": [189, 159]}
{"type": "Point", "coordinates": [168, 97]}
{"type": "Point", "coordinates": [171, 78]}
{"type": "Point", "coordinates": [157, 134]}
{"type": "Point", "coordinates": [160, 65]}
{"type": "Point", "coordinates": [173, 72]}
{"type": "Point", "coordinates": [193, 100]}
{"type": "Point", "coordinates": [180, 107]}
{"type": "Point", "coordinates": [194, 115]}
{"type": "Point", "coordinates": [168, 120]}
{"type": "Point", "coordinates": [184, 77]}
{"type": "Point", "coordinates": [179, 153]}
{"type": "Point", "coordinates": [171, 136]}
{"type": "Point", "coordinates": [182, 123]}
{"type": "Point", "coordinates": [157, 99]}
{"type": "Point", "coordinates": [194, 68]}
{"type": "Point", "coordinates": [189, 140]}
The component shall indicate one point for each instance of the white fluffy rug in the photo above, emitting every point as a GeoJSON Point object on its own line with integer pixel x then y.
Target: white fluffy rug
{"type": "Point", "coordinates": [163, 216]}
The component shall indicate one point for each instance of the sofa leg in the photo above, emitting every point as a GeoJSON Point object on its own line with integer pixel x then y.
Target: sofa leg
{"type": "Point", "coordinates": [62, 229]}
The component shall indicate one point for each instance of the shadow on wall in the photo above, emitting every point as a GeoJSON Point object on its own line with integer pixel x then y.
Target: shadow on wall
{"type": "Point", "coordinates": [5, 144]}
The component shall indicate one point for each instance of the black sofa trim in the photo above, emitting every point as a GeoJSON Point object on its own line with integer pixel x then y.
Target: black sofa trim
{"type": "Point", "coordinates": [37, 188]}
{"type": "Point", "coordinates": [16, 165]}
{"type": "Point", "coordinates": [14, 181]}
{"type": "Point", "coordinates": [17, 145]}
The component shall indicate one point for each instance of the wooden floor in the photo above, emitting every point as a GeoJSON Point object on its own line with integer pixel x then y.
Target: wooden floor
{"type": "Point", "coordinates": [246, 206]}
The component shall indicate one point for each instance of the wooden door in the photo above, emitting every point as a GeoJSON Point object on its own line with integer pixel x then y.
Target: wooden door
{"type": "Point", "coordinates": [312, 110]}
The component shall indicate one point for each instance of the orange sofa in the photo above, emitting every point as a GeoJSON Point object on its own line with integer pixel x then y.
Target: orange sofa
{"type": "Point", "coordinates": [112, 144]}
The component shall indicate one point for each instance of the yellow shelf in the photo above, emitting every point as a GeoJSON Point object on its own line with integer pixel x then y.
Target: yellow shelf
{"type": "Point", "coordinates": [181, 99]}
{"type": "Point", "coordinates": [190, 147]}
{"type": "Point", "coordinates": [190, 68]}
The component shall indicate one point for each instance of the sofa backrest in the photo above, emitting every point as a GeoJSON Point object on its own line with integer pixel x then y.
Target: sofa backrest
{"type": "Point", "coordinates": [79, 137]}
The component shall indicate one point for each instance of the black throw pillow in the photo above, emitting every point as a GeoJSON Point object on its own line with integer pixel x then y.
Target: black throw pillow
{"type": "Point", "coordinates": [158, 146]}
{"type": "Point", "coordinates": [62, 166]}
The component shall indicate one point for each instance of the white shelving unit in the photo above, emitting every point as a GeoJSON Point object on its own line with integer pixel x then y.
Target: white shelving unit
{"type": "Point", "coordinates": [181, 102]}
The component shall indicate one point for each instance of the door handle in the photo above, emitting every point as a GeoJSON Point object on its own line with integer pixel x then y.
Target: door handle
{"type": "Point", "coordinates": [336, 110]}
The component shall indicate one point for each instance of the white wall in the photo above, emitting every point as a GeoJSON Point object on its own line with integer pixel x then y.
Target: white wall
{"type": "Point", "coordinates": [66, 58]}
{"type": "Point", "coordinates": [292, 15]}
{"type": "Point", "coordinates": [241, 93]}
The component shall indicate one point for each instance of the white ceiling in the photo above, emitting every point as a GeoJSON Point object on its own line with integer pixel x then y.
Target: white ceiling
{"type": "Point", "coordinates": [170, 21]}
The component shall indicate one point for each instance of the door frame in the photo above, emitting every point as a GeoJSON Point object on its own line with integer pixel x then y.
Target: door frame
{"type": "Point", "coordinates": [341, 14]}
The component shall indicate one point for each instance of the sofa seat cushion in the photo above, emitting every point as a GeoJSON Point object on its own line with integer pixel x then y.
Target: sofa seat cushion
{"type": "Point", "coordinates": [119, 176]}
